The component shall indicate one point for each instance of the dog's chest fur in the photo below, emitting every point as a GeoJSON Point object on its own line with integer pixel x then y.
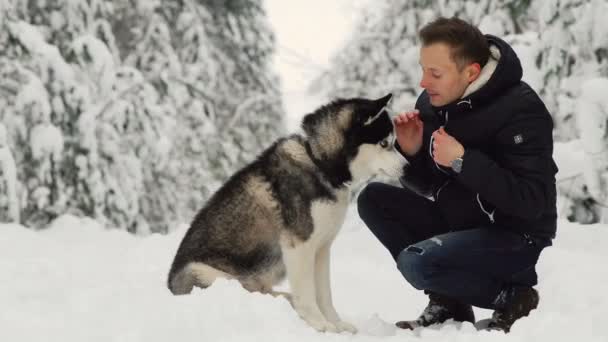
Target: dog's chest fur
{"type": "Point", "coordinates": [328, 216]}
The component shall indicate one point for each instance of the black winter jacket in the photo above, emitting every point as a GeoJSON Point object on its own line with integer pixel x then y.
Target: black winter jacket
{"type": "Point", "coordinates": [508, 175]}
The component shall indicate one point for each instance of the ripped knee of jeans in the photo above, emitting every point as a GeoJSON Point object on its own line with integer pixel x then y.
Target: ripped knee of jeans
{"type": "Point", "coordinates": [413, 266]}
{"type": "Point", "coordinates": [415, 249]}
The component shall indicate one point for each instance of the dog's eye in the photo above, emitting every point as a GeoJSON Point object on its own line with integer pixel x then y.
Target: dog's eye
{"type": "Point", "coordinates": [383, 143]}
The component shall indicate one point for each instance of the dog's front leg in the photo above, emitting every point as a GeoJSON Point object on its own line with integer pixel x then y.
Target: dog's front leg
{"type": "Point", "coordinates": [300, 266]}
{"type": "Point", "coordinates": [323, 289]}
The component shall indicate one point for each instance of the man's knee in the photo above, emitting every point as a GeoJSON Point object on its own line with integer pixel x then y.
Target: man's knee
{"type": "Point", "coordinates": [367, 202]}
{"type": "Point", "coordinates": [415, 265]}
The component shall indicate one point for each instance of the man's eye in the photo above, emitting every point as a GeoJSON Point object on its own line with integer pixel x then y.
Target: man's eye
{"type": "Point", "coordinates": [384, 143]}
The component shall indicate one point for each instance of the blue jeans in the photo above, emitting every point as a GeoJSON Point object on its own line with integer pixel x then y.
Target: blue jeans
{"type": "Point", "coordinates": [472, 266]}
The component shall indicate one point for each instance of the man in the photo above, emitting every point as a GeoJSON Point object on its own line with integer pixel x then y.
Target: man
{"type": "Point", "coordinates": [479, 203]}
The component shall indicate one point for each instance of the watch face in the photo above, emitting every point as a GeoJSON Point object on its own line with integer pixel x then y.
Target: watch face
{"type": "Point", "coordinates": [457, 164]}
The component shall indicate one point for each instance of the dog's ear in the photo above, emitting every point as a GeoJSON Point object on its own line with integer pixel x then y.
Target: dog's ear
{"type": "Point", "coordinates": [384, 101]}
{"type": "Point", "coordinates": [309, 122]}
{"type": "Point", "coordinates": [380, 105]}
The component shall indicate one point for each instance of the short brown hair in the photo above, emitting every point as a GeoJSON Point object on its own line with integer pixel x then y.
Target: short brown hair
{"type": "Point", "coordinates": [467, 43]}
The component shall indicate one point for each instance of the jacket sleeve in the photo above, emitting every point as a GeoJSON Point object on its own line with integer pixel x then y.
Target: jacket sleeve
{"type": "Point", "coordinates": [519, 181]}
{"type": "Point", "coordinates": [416, 175]}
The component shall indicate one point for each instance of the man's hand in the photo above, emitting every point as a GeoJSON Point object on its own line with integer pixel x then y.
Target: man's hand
{"type": "Point", "coordinates": [408, 128]}
{"type": "Point", "coordinates": [445, 148]}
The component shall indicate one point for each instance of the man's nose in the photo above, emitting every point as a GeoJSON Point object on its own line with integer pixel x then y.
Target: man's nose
{"type": "Point", "coordinates": [424, 83]}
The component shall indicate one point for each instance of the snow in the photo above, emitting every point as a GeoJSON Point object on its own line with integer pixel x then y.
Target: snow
{"type": "Point", "coordinates": [592, 115]}
{"type": "Point", "coordinates": [8, 180]}
{"type": "Point", "coordinates": [35, 95]}
{"type": "Point", "coordinates": [99, 61]}
{"type": "Point", "coordinates": [526, 47]}
{"type": "Point", "coordinates": [583, 162]}
{"type": "Point", "coordinates": [569, 157]}
{"type": "Point", "coordinates": [46, 140]}
{"type": "Point", "coordinates": [33, 41]}
{"type": "Point", "coordinates": [77, 281]}
{"type": "Point", "coordinates": [592, 118]}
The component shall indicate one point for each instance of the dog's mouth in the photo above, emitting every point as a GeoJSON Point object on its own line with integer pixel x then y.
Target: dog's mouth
{"type": "Point", "coordinates": [390, 170]}
{"type": "Point", "coordinates": [384, 172]}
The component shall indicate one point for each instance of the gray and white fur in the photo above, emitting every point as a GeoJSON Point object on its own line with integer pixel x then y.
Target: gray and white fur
{"type": "Point", "coordinates": [279, 215]}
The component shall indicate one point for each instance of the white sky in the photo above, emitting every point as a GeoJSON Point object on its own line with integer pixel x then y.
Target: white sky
{"type": "Point", "coordinates": [307, 33]}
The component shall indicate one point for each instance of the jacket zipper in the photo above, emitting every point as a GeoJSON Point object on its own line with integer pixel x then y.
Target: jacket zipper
{"type": "Point", "coordinates": [445, 124]}
{"type": "Point", "coordinates": [490, 214]}
{"type": "Point", "coordinates": [441, 188]}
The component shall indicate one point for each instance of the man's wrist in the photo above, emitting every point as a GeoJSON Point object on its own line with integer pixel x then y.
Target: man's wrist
{"type": "Point", "coordinates": [404, 152]}
{"type": "Point", "coordinates": [456, 163]}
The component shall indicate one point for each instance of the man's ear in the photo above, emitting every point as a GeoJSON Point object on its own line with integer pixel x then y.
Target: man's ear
{"type": "Point", "coordinates": [473, 71]}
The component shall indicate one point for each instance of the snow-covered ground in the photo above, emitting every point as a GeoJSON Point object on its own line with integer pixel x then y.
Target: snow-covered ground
{"type": "Point", "coordinates": [78, 282]}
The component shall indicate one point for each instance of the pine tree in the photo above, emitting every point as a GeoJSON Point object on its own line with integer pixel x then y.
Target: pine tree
{"type": "Point", "coordinates": [9, 202]}
{"type": "Point", "coordinates": [232, 109]}
{"type": "Point", "coordinates": [573, 46]}
{"type": "Point", "coordinates": [150, 105]}
{"type": "Point", "coordinates": [35, 139]}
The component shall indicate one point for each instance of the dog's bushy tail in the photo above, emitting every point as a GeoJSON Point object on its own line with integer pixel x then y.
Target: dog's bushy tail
{"type": "Point", "coordinates": [180, 281]}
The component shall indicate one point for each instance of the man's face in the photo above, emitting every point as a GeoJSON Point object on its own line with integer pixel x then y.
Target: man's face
{"type": "Point", "coordinates": [441, 78]}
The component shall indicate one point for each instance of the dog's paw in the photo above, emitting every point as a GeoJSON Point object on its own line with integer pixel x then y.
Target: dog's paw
{"type": "Point", "coordinates": [323, 326]}
{"type": "Point", "coordinates": [345, 326]}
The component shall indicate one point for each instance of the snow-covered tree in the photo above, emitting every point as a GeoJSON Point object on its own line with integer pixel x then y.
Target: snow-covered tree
{"type": "Point", "coordinates": [9, 202]}
{"type": "Point", "coordinates": [584, 161]}
{"type": "Point", "coordinates": [574, 46]}
{"type": "Point", "coordinates": [36, 141]}
{"type": "Point", "coordinates": [133, 111]}
{"type": "Point", "coordinates": [227, 98]}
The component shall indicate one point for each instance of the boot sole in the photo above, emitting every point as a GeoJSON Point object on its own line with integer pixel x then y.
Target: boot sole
{"type": "Point", "coordinates": [483, 324]}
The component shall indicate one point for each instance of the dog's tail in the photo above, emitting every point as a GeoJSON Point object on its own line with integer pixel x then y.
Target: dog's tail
{"type": "Point", "coordinates": [184, 276]}
{"type": "Point", "coordinates": [180, 280]}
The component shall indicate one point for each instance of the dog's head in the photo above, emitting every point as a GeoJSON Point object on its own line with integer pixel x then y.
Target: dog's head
{"type": "Point", "coordinates": [353, 139]}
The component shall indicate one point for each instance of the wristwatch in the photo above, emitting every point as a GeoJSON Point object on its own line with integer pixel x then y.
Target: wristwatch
{"type": "Point", "coordinates": [456, 165]}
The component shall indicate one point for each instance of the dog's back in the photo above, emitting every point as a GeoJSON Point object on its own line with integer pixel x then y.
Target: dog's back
{"type": "Point", "coordinates": [237, 234]}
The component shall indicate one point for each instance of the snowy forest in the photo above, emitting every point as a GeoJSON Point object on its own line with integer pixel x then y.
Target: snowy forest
{"type": "Point", "coordinates": [132, 112]}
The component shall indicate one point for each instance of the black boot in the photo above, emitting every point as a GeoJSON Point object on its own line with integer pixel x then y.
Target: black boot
{"type": "Point", "coordinates": [439, 310]}
{"type": "Point", "coordinates": [512, 304]}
